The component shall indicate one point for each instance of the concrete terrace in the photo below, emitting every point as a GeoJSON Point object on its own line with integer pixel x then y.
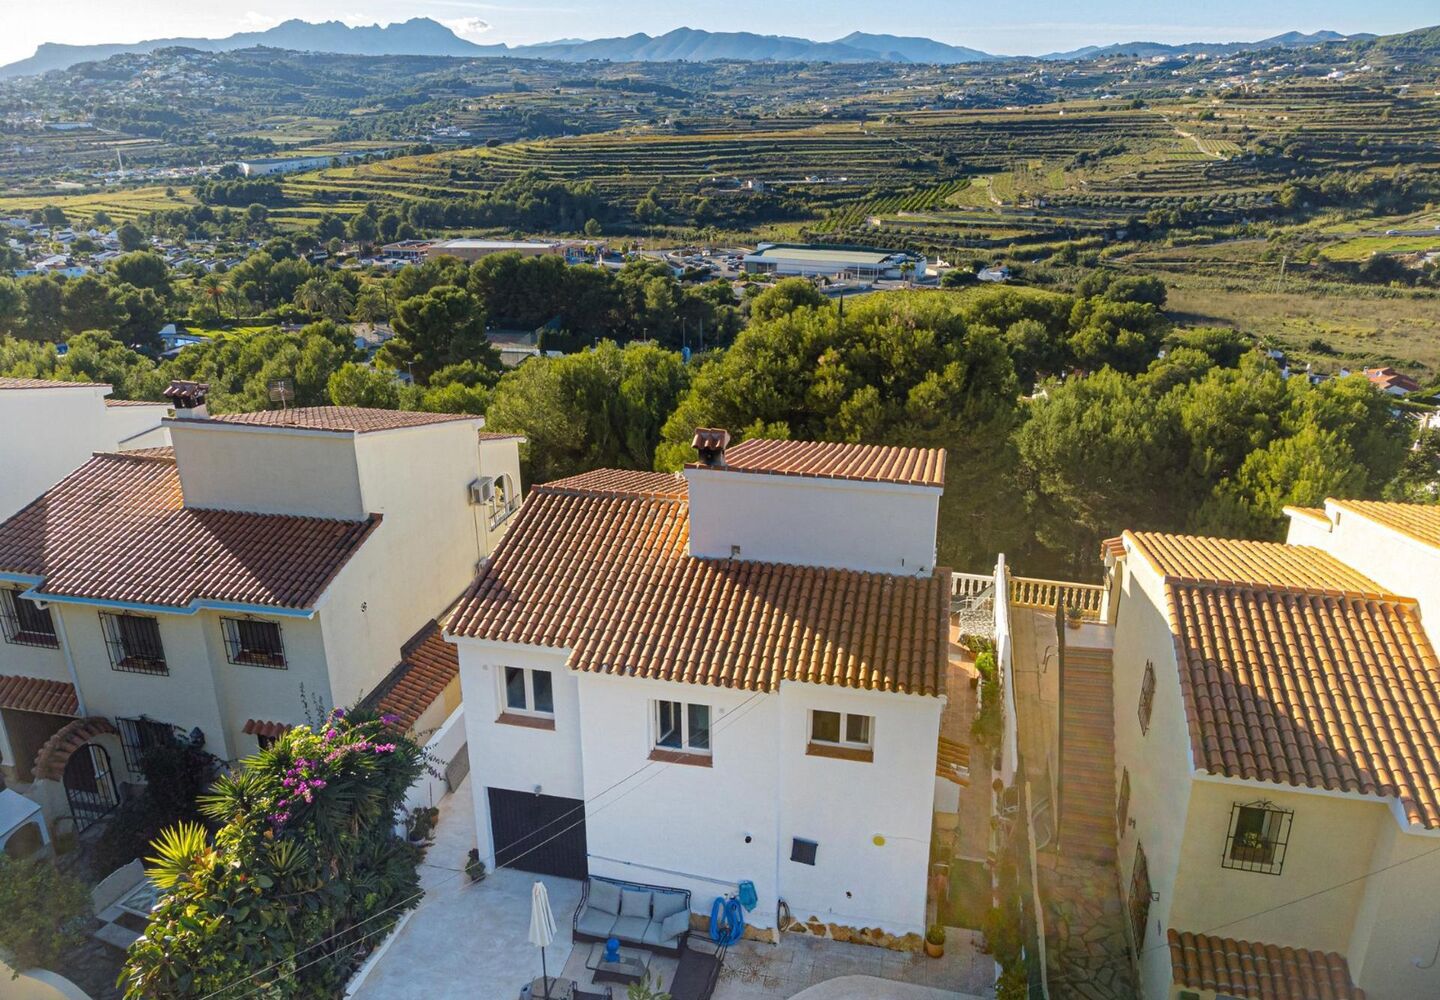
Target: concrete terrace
{"type": "Point", "coordinates": [471, 940]}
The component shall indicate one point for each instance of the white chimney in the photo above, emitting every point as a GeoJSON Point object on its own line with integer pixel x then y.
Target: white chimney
{"type": "Point", "coordinates": [189, 399]}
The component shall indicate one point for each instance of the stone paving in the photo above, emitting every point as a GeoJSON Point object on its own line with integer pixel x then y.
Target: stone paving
{"type": "Point", "coordinates": [1086, 941]}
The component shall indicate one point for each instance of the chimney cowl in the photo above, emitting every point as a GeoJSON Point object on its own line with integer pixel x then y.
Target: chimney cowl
{"type": "Point", "coordinates": [188, 398]}
{"type": "Point", "coordinates": [710, 442]}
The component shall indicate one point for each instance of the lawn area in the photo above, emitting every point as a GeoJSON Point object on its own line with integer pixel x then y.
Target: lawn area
{"type": "Point", "coordinates": [1360, 327]}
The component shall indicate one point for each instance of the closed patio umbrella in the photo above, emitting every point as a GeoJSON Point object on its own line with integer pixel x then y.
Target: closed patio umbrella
{"type": "Point", "coordinates": [542, 927]}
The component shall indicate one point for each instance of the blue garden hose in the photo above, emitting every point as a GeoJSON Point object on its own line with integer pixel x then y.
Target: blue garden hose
{"type": "Point", "coordinates": [727, 920]}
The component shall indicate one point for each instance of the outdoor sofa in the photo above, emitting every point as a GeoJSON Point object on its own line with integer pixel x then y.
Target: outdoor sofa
{"type": "Point", "coordinates": [650, 916]}
{"type": "Point", "coordinates": [699, 970]}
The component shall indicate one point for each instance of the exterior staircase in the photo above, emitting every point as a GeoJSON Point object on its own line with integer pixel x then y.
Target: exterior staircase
{"type": "Point", "coordinates": [1087, 761]}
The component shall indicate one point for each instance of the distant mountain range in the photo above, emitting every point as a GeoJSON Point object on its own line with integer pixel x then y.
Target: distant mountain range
{"type": "Point", "coordinates": [425, 37]}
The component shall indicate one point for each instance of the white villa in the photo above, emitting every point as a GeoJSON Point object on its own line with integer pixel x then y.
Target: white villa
{"type": "Point", "coordinates": [262, 563]}
{"type": "Point", "coordinates": [734, 673]}
{"type": "Point", "coordinates": [1277, 756]}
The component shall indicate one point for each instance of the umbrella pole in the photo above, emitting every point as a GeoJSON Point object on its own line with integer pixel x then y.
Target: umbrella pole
{"type": "Point", "coordinates": [544, 975]}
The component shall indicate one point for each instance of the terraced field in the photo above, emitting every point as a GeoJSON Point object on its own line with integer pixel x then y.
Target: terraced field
{"type": "Point", "coordinates": [122, 204]}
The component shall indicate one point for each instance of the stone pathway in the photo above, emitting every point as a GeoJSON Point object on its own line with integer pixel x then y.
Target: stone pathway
{"type": "Point", "coordinates": [1086, 942]}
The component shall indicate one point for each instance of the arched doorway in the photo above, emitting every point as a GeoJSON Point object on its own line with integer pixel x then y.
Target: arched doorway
{"type": "Point", "coordinates": [90, 785]}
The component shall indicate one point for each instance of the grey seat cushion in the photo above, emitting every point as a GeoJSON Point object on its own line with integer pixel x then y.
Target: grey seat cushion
{"type": "Point", "coordinates": [675, 925]}
{"type": "Point", "coordinates": [630, 928]}
{"type": "Point", "coordinates": [655, 934]}
{"type": "Point", "coordinates": [605, 896]}
{"type": "Point", "coordinates": [595, 922]}
{"type": "Point", "coordinates": [666, 903]}
{"type": "Point", "coordinates": [635, 903]}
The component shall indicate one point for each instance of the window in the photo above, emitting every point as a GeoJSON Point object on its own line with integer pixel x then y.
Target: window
{"type": "Point", "coordinates": [1123, 809]}
{"type": "Point", "coordinates": [803, 851]}
{"type": "Point", "coordinates": [841, 734]}
{"type": "Point", "coordinates": [134, 644]}
{"type": "Point", "coordinates": [1147, 696]}
{"type": "Point", "coordinates": [252, 642]}
{"type": "Point", "coordinates": [529, 692]}
{"type": "Point", "coordinates": [1140, 896]}
{"type": "Point", "coordinates": [265, 742]}
{"type": "Point", "coordinates": [682, 728]}
{"type": "Point", "coordinates": [24, 622]}
{"type": "Point", "coordinates": [1259, 833]}
{"type": "Point", "coordinates": [139, 735]}
{"type": "Point", "coordinates": [505, 500]}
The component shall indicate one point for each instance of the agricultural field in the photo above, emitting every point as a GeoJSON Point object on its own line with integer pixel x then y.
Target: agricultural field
{"type": "Point", "coordinates": [120, 203]}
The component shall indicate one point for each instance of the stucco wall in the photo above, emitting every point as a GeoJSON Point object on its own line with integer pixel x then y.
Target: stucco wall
{"type": "Point", "coordinates": [1396, 561]}
{"type": "Point", "coordinates": [1396, 928]}
{"type": "Point", "coordinates": [678, 824]}
{"type": "Point", "coordinates": [48, 433]}
{"type": "Point", "coordinates": [513, 757]}
{"type": "Point", "coordinates": [138, 426]}
{"type": "Point", "coordinates": [1158, 760]}
{"type": "Point", "coordinates": [877, 527]}
{"type": "Point", "coordinates": [270, 471]}
{"type": "Point", "coordinates": [845, 805]}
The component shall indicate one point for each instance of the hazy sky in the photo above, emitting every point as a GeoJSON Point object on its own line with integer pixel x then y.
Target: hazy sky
{"type": "Point", "coordinates": [1010, 26]}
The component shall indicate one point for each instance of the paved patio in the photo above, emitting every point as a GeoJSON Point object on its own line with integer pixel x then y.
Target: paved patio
{"type": "Point", "coordinates": [471, 940]}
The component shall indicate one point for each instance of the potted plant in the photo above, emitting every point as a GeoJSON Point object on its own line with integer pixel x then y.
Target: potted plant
{"type": "Point", "coordinates": [1073, 616]}
{"type": "Point", "coordinates": [474, 867]}
{"type": "Point", "coordinates": [935, 941]}
{"type": "Point", "coordinates": [422, 823]}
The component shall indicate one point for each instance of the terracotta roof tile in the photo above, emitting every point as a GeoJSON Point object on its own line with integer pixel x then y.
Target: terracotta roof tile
{"type": "Point", "coordinates": [624, 482]}
{"type": "Point", "coordinates": [1314, 513]}
{"type": "Point", "coordinates": [1297, 670]}
{"type": "Point", "coordinates": [427, 666]}
{"type": "Point", "coordinates": [1256, 971]}
{"type": "Point", "coordinates": [500, 436]}
{"type": "Point", "coordinates": [7, 382]}
{"type": "Point", "coordinates": [261, 727]}
{"type": "Point", "coordinates": [338, 419]}
{"type": "Point", "coordinates": [1419, 521]}
{"type": "Point", "coordinates": [608, 576]}
{"type": "Point", "coordinates": [116, 529]}
{"type": "Point", "coordinates": [952, 761]}
{"type": "Point", "coordinates": [1268, 564]}
{"type": "Point", "coordinates": [830, 460]}
{"type": "Point", "coordinates": [35, 694]}
{"type": "Point", "coordinates": [1114, 547]}
{"type": "Point", "coordinates": [136, 402]}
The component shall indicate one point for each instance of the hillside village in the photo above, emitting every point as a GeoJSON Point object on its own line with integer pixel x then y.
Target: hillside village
{"type": "Point", "coordinates": [712, 516]}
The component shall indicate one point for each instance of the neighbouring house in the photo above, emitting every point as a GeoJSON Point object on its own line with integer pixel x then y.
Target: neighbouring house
{"type": "Point", "coordinates": [1391, 382]}
{"type": "Point", "coordinates": [263, 565]}
{"type": "Point", "coordinates": [1277, 756]}
{"type": "Point", "coordinates": [173, 340]}
{"type": "Point", "coordinates": [734, 673]}
{"type": "Point", "coordinates": [51, 428]}
{"type": "Point", "coordinates": [997, 273]}
{"type": "Point", "coordinates": [475, 249]}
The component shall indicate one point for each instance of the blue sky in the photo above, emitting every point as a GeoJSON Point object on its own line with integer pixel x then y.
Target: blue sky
{"type": "Point", "coordinates": [1011, 26]}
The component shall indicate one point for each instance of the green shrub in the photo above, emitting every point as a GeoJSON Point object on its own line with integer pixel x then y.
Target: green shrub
{"type": "Point", "coordinates": [45, 912]}
{"type": "Point", "coordinates": [305, 852]}
{"type": "Point", "coordinates": [1013, 984]}
{"type": "Point", "coordinates": [1002, 934]}
{"type": "Point", "coordinates": [985, 665]}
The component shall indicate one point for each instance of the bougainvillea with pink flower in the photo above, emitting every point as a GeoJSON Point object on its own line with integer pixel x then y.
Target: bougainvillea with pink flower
{"type": "Point", "coordinates": [303, 877]}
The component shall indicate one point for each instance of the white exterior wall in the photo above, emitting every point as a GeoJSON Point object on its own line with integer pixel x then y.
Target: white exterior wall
{"type": "Point", "coordinates": [50, 433]}
{"type": "Point", "coordinates": [845, 805]}
{"type": "Point", "coordinates": [679, 824]}
{"type": "Point", "coordinates": [268, 470]}
{"type": "Point", "coordinates": [1159, 760]}
{"type": "Point", "coordinates": [515, 757]}
{"type": "Point", "coordinates": [420, 557]}
{"type": "Point", "coordinates": [1401, 564]}
{"type": "Point", "coordinates": [685, 825]}
{"type": "Point", "coordinates": [138, 426]}
{"type": "Point", "coordinates": [807, 521]}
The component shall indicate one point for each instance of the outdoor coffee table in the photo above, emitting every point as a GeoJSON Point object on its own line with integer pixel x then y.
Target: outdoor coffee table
{"type": "Point", "coordinates": [631, 967]}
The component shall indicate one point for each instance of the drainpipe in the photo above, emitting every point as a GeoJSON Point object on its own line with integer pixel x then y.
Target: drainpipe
{"type": "Point", "coordinates": [64, 637]}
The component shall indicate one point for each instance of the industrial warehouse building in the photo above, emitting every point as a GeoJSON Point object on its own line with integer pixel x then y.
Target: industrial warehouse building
{"type": "Point", "coordinates": [788, 259]}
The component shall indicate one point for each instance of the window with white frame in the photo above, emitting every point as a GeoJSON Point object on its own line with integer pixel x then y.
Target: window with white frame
{"type": "Point", "coordinates": [528, 692]}
{"type": "Point", "coordinates": [842, 729]}
{"type": "Point", "coordinates": [681, 727]}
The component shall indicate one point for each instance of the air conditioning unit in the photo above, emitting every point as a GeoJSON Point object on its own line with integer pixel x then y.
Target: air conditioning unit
{"type": "Point", "coordinates": [482, 490]}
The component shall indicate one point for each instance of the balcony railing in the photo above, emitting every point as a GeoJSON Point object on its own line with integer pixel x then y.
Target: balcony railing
{"type": "Point", "coordinates": [501, 510]}
{"type": "Point", "coordinates": [1030, 593]}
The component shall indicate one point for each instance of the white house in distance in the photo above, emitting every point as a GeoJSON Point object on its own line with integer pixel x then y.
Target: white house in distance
{"type": "Point", "coordinates": [732, 674]}
{"type": "Point", "coordinates": [266, 562]}
{"type": "Point", "coordinates": [53, 427]}
{"type": "Point", "coordinates": [786, 259]}
{"type": "Point", "coordinates": [1277, 738]}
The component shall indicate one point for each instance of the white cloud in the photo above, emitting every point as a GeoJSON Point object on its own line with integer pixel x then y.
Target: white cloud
{"type": "Point", "coordinates": [253, 20]}
{"type": "Point", "coordinates": [469, 28]}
